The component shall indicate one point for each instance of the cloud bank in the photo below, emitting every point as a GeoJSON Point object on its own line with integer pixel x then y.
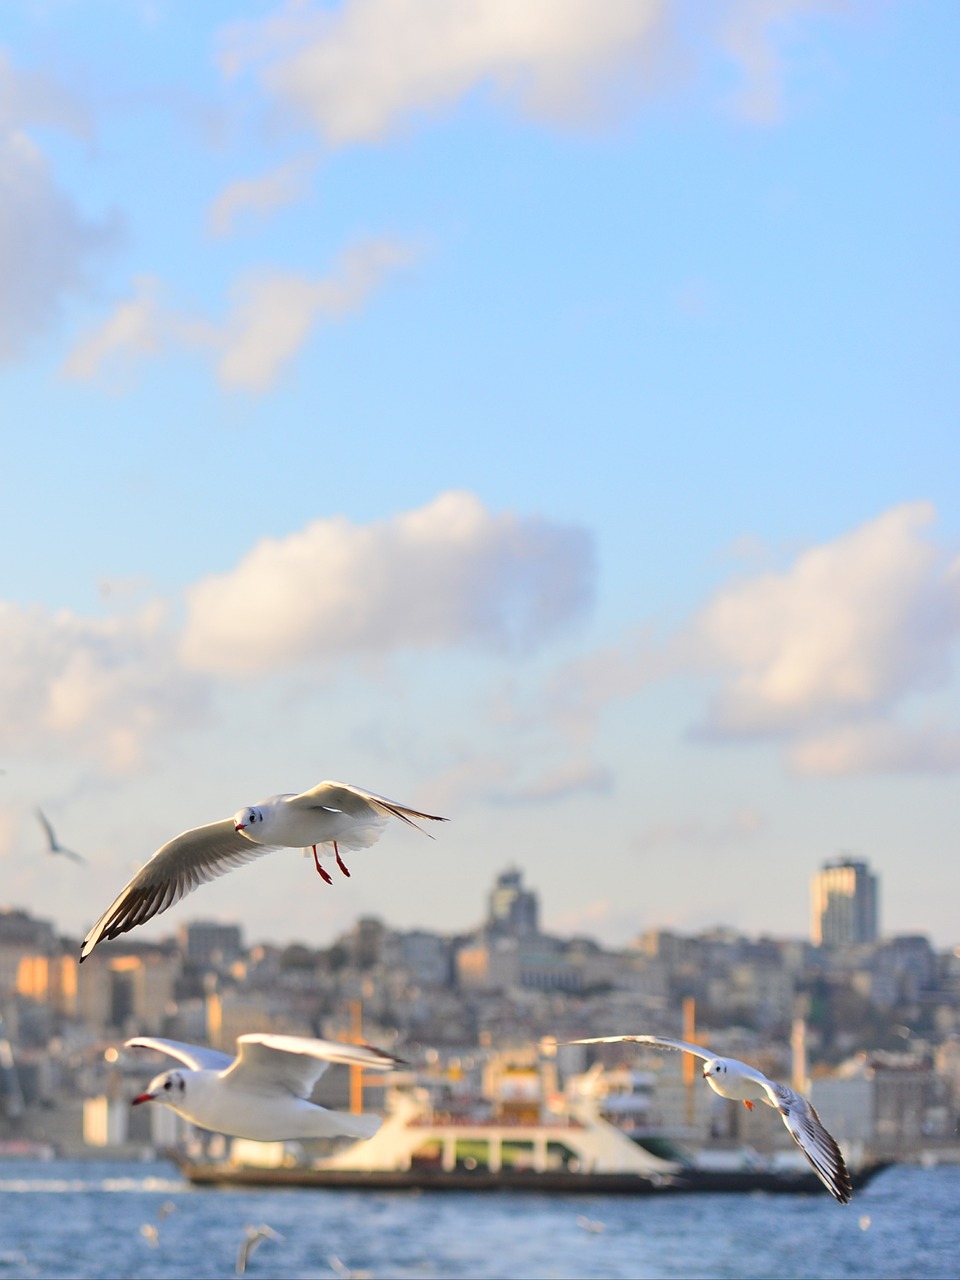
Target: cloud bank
{"type": "Point", "coordinates": [448, 574]}
{"type": "Point", "coordinates": [834, 660]}
{"type": "Point", "coordinates": [850, 629]}
{"type": "Point", "coordinates": [829, 658]}
{"type": "Point", "coordinates": [95, 687]}
{"type": "Point", "coordinates": [357, 73]}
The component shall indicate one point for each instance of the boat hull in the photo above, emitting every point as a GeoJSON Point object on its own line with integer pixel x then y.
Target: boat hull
{"type": "Point", "coordinates": [686, 1181]}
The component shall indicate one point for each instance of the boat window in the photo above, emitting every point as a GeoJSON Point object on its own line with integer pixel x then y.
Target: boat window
{"type": "Point", "coordinates": [428, 1153]}
{"type": "Point", "coordinates": [472, 1153]}
{"type": "Point", "coordinates": [516, 1155]}
{"type": "Point", "coordinates": [560, 1156]}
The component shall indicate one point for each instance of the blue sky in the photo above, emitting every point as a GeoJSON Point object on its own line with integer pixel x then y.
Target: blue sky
{"type": "Point", "coordinates": [543, 415]}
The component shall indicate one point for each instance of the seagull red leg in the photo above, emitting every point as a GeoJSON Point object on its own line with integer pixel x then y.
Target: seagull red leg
{"type": "Point", "coordinates": [320, 870]}
{"type": "Point", "coordinates": [340, 860]}
{"type": "Point", "coordinates": [748, 1105]}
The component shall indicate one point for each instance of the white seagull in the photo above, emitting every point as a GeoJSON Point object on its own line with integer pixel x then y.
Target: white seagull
{"type": "Point", "coordinates": [331, 816]}
{"type": "Point", "coordinates": [150, 1232]}
{"type": "Point", "coordinates": [252, 1239]}
{"type": "Point", "coordinates": [53, 844]}
{"type": "Point", "coordinates": [263, 1093]}
{"type": "Point", "coordinates": [743, 1083]}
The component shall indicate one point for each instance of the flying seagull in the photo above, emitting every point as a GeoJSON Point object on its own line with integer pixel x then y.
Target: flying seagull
{"type": "Point", "coordinates": [53, 844]}
{"type": "Point", "coordinates": [340, 1268]}
{"type": "Point", "coordinates": [264, 1093]}
{"type": "Point", "coordinates": [331, 816]}
{"type": "Point", "coordinates": [252, 1238]}
{"type": "Point", "coordinates": [743, 1083]}
{"type": "Point", "coordinates": [150, 1231]}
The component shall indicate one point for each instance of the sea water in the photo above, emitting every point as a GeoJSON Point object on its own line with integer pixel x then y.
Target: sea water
{"type": "Point", "coordinates": [104, 1219]}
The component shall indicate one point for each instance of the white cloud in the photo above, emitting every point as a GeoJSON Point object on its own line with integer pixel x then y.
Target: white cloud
{"type": "Point", "coordinates": [357, 72]}
{"type": "Point", "coordinates": [849, 629]}
{"type": "Point", "coordinates": [139, 325]}
{"type": "Point", "coordinates": [98, 687]}
{"type": "Point", "coordinates": [878, 746]}
{"type": "Point", "coordinates": [270, 317]}
{"type": "Point", "coordinates": [273, 314]}
{"type": "Point", "coordinates": [448, 574]}
{"type": "Point", "coordinates": [260, 195]}
{"type": "Point", "coordinates": [828, 656]}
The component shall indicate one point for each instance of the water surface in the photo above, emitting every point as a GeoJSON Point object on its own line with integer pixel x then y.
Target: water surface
{"type": "Point", "coordinates": [84, 1219]}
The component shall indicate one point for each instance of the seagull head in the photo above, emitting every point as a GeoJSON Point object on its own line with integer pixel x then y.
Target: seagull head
{"type": "Point", "coordinates": [169, 1087]}
{"type": "Point", "coordinates": [244, 818]}
{"type": "Point", "coordinates": [714, 1067]}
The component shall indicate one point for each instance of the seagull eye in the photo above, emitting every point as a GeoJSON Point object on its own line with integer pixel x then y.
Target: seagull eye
{"type": "Point", "coordinates": [167, 1084]}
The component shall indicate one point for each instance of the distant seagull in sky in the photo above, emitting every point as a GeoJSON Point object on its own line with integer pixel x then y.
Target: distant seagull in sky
{"type": "Point", "coordinates": [332, 815]}
{"type": "Point", "coordinates": [253, 1238]}
{"type": "Point", "coordinates": [264, 1093]}
{"type": "Point", "coordinates": [53, 844]}
{"type": "Point", "coordinates": [743, 1083]}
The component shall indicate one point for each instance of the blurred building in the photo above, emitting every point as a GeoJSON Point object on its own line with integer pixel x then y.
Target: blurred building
{"type": "Point", "coordinates": [512, 909]}
{"type": "Point", "coordinates": [128, 988]}
{"type": "Point", "coordinates": [21, 936]}
{"type": "Point", "coordinates": [208, 942]}
{"type": "Point", "coordinates": [845, 902]}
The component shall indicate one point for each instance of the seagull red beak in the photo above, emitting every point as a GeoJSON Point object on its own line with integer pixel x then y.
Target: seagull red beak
{"type": "Point", "coordinates": [143, 1097]}
{"type": "Point", "coordinates": [240, 826]}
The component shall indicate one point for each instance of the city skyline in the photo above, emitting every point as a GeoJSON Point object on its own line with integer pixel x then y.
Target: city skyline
{"type": "Point", "coordinates": [512, 906]}
{"type": "Point", "coordinates": [543, 421]}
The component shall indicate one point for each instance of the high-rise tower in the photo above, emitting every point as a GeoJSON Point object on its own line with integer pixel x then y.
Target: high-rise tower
{"type": "Point", "coordinates": [844, 903]}
{"type": "Point", "coordinates": [512, 909]}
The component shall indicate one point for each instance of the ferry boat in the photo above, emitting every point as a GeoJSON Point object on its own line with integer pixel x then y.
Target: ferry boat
{"type": "Point", "coordinates": [418, 1147]}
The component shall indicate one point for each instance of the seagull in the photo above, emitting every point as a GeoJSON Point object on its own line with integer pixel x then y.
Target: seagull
{"type": "Point", "coordinates": [54, 845]}
{"type": "Point", "coordinates": [331, 815]}
{"type": "Point", "coordinates": [340, 1268]}
{"type": "Point", "coordinates": [264, 1093]}
{"type": "Point", "coordinates": [252, 1240]}
{"type": "Point", "coordinates": [150, 1232]}
{"type": "Point", "coordinates": [743, 1083]}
